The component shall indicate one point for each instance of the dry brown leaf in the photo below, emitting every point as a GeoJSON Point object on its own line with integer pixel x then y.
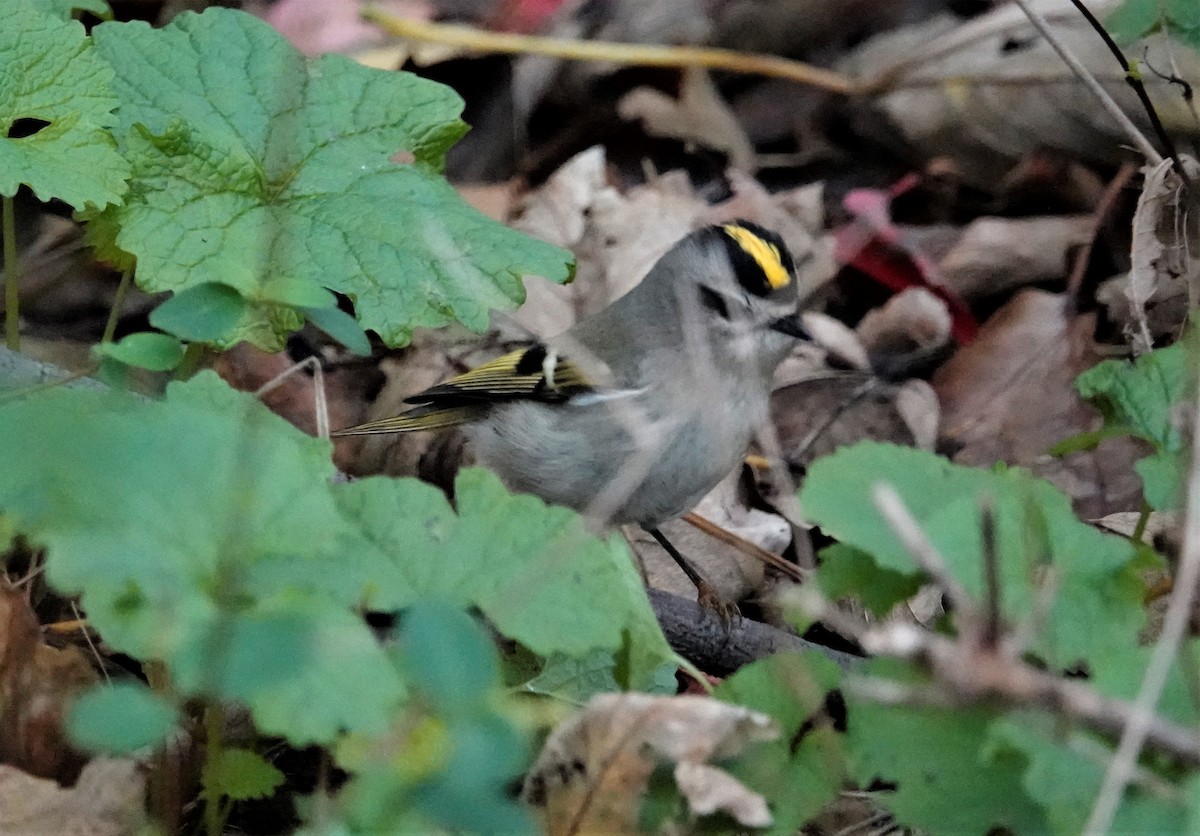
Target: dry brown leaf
{"type": "Point", "coordinates": [492, 199]}
{"type": "Point", "coordinates": [1034, 100]}
{"type": "Point", "coordinates": [593, 770]}
{"type": "Point", "coordinates": [1010, 396]}
{"type": "Point", "coordinates": [1158, 523]}
{"type": "Point", "coordinates": [709, 790]}
{"type": "Point", "coordinates": [700, 115]}
{"type": "Point", "coordinates": [37, 683]}
{"type": "Point", "coordinates": [997, 255]}
{"type": "Point", "coordinates": [107, 800]}
{"type": "Point", "coordinates": [913, 319]}
{"type": "Point", "coordinates": [816, 416]}
{"type": "Point", "coordinates": [1165, 254]}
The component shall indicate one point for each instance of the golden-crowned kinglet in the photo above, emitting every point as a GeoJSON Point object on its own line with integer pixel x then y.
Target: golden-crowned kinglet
{"type": "Point", "coordinates": [636, 412]}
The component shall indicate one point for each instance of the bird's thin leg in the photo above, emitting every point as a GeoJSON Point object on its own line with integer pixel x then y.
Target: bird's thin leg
{"type": "Point", "coordinates": [708, 596]}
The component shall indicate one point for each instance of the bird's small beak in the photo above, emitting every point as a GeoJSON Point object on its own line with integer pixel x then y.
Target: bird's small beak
{"type": "Point", "coordinates": [792, 326]}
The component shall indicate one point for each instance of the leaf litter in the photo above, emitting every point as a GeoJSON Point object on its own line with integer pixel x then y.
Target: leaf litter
{"type": "Point", "coordinates": [892, 326]}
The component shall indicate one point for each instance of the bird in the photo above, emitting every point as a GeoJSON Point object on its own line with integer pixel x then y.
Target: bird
{"type": "Point", "coordinates": [634, 413]}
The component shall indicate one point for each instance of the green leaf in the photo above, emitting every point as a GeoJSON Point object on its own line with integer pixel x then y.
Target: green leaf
{"type": "Point", "coordinates": [239, 774]}
{"type": "Point", "coordinates": [534, 570]}
{"type": "Point", "coordinates": [55, 110]}
{"type": "Point", "coordinates": [202, 313]}
{"type": "Point", "coordinates": [804, 769]}
{"type": "Point", "coordinates": [120, 718]}
{"type": "Point", "coordinates": [342, 327]}
{"type": "Point", "coordinates": [61, 9]}
{"type": "Point", "coordinates": [300, 293]}
{"type": "Point", "coordinates": [145, 349]}
{"type": "Point", "coordinates": [452, 756]}
{"type": "Point", "coordinates": [1087, 441]}
{"type": "Point", "coordinates": [1122, 676]}
{"type": "Point", "coordinates": [1065, 773]}
{"type": "Point", "coordinates": [251, 162]}
{"type": "Point", "coordinates": [577, 679]}
{"type": "Point", "coordinates": [947, 779]}
{"type": "Point", "coordinates": [1097, 609]}
{"type": "Point", "coordinates": [1136, 19]}
{"type": "Point", "coordinates": [1145, 395]}
{"type": "Point", "coordinates": [847, 571]}
{"type": "Point", "coordinates": [450, 658]}
{"type": "Point", "coordinates": [202, 531]}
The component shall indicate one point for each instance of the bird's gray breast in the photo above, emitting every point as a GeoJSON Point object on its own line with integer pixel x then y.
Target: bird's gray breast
{"type": "Point", "coordinates": [636, 457]}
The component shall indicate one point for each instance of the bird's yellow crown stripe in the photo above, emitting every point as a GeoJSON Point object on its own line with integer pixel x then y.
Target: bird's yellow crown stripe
{"type": "Point", "coordinates": [764, 253]}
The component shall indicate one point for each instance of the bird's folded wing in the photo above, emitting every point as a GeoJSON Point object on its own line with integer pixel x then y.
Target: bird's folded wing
{"type": "Point", "coordinates": [533, 373]}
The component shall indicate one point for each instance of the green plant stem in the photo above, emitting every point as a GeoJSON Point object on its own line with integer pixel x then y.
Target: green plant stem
{"type": "Point", "coordinates": [110, 327]}
{"type": "Point", "coordinates": [190, 362]}
{"type": "Point", "coordinates": [214, 820]}
{"type": "Point", "coordinates": [1133, 79]}
{"type": "Point", "coordinates": [12, 295]}
{"type": "Point", "coordinates": [1139, 530]}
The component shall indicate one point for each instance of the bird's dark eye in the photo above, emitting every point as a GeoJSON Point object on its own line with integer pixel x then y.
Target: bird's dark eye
{"type": "Point", "coordinates": [714, 301]}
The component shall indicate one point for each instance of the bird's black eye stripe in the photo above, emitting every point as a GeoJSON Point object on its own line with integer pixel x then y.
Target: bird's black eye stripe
{"type": "Point", "coordinates": [531, 361]}
{"type": "Point", "coordinates": [714, 301]}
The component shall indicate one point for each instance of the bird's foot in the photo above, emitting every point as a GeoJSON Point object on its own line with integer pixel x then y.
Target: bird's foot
{"type": "Point", "coordinates": [711, 601]}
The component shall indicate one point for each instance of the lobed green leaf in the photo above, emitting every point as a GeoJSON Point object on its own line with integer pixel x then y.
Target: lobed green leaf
{"type": "Point", "coordinates": [1097, 609]}
{"type": "Point", "coordinates": [252, 162]}
{"type": "Point", "coordinates": [56, 109]}
{"type": "Point", "coordinates": [1145, 396]}
{"type": "Point", "coordinates": [532, 569]}
{"type": "Point", "coordinates": [239, 774]}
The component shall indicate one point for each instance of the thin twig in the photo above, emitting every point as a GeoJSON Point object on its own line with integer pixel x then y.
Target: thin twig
{"type": "Point", "coordinates": [924, 553]}
{"type": "Point", "coordinates": [856, 394]}
{"type": "Point", "coordinates": [993, 618]}
{"type": "Point", "coordinates": [1089, 80]}
{"type": "Point", "coordinates": [1179, 608]}
{"type": "Point", "coordinates": [91, 645]}
{"type": "Point", "coordinates": [1100, 218]}
{"type": "Point", "coordinates": [964, 674]}
{"type": "Point", "coordinates": [743, 545]}
{"type": "Point", "coordinates": [1134, 80]}
{"type": "Point", "coordinates": [110, 327]}
{"type": "Point", "coordinates": [646, 55]}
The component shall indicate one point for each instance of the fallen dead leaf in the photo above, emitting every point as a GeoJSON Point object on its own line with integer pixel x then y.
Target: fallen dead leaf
{"type": "Point", "coordinates": [998, 255]}
{"type": "Point", "coordinates": [700, 116]}
{"type": "Point", "coordinates": [107, 800]}
{"type": "Point", "coordinates": [814, 417]}
{"type": "Point", "coordinates": [1163, 259]}
{"type": "Point", "coordinates": [594, 768]}
{"type": "Point", "coordinates": [913, 319]}
{"type": "Point", "coordinates": [709, 790]}
{"type": "Point", "coordinates": [37, 683]}
{"type": "Point", "coordinates": [989, 90]}
{"type": "Point", "coordinates": [1010, 397]}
